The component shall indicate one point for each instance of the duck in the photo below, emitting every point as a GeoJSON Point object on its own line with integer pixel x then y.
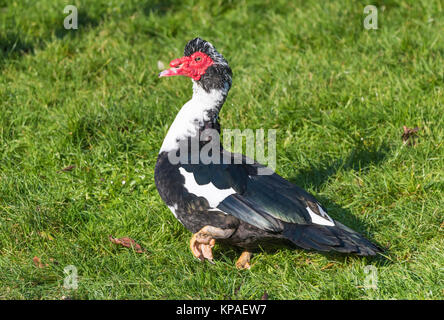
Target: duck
{"type": "Point", "coordinates": [228, 197]}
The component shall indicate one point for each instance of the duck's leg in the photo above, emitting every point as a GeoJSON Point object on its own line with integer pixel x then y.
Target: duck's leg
{"type": "Point", "coordinates": [244, 260]}
{"type": "Point", "coordinates": [203, 241]}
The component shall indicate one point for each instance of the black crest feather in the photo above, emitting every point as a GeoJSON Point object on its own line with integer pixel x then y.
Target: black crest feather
{"type": "Point", "coordinates": [217, 76]}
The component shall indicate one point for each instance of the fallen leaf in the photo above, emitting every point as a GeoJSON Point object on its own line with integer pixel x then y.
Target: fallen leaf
{"type": "Point", "coordinates": [127, 242]}
{"type": "Point", "coordinates": [38, 263]}
{"type": "Point", "coordinates": [331, 264]}
{"type": "Point", "coordinates": [66, 169]}
{"type": "Point", "coordinates": [359, 182]}
{"type": "Point", "coordinates": [46, 235]}
{"type": "Point", "coordinates": [409, 136]}
{"type": "Point", "coordinates": [265, 296]}
{"type": "Point", "coordinates": [123, 129]}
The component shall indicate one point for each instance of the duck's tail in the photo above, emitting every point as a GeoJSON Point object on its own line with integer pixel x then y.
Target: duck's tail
{"type": "Point", "coordinates": [330, 238]}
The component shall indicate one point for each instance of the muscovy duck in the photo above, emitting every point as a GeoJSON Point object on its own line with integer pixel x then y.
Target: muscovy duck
{"type": "Point", "coordinates": [231, 201]}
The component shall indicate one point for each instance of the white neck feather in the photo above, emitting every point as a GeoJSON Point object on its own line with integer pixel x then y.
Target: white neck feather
{"type": "Point", "coordinates": [192, 115]}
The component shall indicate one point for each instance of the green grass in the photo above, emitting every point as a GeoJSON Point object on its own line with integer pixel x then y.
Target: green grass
{"type": "Point", "coordinates": [337, 94]}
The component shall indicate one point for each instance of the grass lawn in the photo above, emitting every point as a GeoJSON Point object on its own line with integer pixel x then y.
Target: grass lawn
{"type": "Point", "coordinates": [89, 101]}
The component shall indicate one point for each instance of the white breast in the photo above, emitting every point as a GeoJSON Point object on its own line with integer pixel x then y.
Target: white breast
{"type": "Point", "coordinates": [191, 116]}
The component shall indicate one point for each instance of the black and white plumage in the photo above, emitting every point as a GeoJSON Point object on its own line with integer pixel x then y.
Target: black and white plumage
{"type": "Point", "coordinates": [256, 209]}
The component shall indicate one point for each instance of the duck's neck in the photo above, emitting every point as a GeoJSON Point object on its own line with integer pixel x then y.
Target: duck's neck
{"type": "Point", "coordinates": [199, 113]}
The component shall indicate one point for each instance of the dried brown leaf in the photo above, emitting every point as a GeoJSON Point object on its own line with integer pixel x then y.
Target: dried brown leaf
{"type": "Point", "coordinates": [331, 264]}
{"type": "Point", "coordinates": [66, 169]}
{"type": "Point", "coordinates": [127, 242]}
{"type": "Point", "coordinates": [265, 296]}
{"type": "Point", "coordinates": [409, 136]}
{"type": "Point", "coordinates": [38, 263]}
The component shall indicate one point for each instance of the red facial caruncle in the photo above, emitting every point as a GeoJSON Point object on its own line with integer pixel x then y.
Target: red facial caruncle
{"type": "Point", "coordinates": [193, 66]}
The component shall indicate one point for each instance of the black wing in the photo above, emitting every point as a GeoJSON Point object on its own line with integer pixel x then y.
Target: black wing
{"type": "Point", "coordinates": [271, 203]}
{"type": "Point", "coordinates": [262, 200]}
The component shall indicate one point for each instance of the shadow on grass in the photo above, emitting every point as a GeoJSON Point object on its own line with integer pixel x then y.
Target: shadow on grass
{"type": "Point", "coordinates": [13, 47]}
{"type": "Point", "coordinates": [84, 23]}
{"type": "Point", "coordinates": [159, 8]}
{"type": "Point", "coordinates": [359, 159]}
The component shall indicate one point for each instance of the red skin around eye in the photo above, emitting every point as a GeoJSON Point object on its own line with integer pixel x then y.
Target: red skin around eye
{"type": "Point", "coordinates": [191, 66]}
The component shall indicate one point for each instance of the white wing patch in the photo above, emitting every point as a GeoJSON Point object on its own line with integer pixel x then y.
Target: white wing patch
{"type": "Point", "coordinates": [209, 191]}
{"type": "Point", "coordinates": [173, 209]}
{"type": "Point", "coordinates": [325, 220]}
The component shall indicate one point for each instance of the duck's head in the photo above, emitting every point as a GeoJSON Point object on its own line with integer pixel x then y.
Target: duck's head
{"type": "Point", "coordinates": [202, 63]}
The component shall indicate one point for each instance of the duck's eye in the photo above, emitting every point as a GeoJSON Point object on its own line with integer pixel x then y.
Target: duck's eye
{"type": "Point", "coordinates": [197, 59]}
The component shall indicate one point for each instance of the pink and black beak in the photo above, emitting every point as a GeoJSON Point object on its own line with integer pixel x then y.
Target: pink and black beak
{"type": "Point", "coordinates": [176, 68]}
